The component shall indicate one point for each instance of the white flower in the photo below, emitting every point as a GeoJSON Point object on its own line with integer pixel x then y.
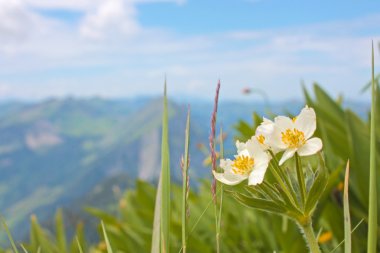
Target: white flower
{"type": "Point", "coordinates": [263, 133]}
{"type": "Point", "coordinates": [294, 135]}
{"type": "Point", "coordinates": [250, 162]}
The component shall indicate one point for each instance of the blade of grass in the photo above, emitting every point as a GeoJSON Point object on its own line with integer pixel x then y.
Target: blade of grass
{"type": "Point", "coordinates": [372, 210]}
{"type": "Point", "coordinates": [79, 246]}
{"type": "Point", "coordinates": [347, 219]}
{"type": "Point", "coordinates": [199, 218]}
{"type": "Point", "coordinates": [157, 219]}
{"type": "Point", "coordinates": [185, 182]}
{"type": "Point", "coordinates": [23, 248]}
{"type": "Point", "coordinates": [60, 231]}
{"type": "Point", "coordinates": [165, 170]}
{"type": "Point", "coordinates": [9, 235]}
{"type": "Point", "coordinates": [353, 230]}
{"type": "Point", "coordinates": [109, 249]}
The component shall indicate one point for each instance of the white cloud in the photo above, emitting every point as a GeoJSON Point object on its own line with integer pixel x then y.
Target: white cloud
{"type": "Point", "coordinates": [110, 17]}
{"type": "Point", "coordinates": [110, 53]}
{"type": "Point", "coordinates": [84, 5]}
{"type": "Point", "coordinates": [61, 4]}
{"type": "Point", "coordinates": [17, 22]}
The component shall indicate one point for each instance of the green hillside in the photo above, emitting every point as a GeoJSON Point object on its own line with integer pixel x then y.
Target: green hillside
{"type": "Point", "coordinates": [55, 152]}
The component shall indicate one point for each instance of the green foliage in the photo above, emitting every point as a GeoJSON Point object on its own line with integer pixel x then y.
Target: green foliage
{"type": "Point", "coordinates": [245, 231]}
{"type": "Point", "coordinates": [372, 209]}
{"type": "Point", "coordinates": [166, 181]}
{"type": "Point", "coordinates": [9, 235]}
{"type": "Point", "coordinates": [345, 136]}
{"type": "Point", "coordinates": [45, 241]}
{"type": "Point", "coordinates": [109, 249]}
{"type": "Point", "coordinates": [347, 217]}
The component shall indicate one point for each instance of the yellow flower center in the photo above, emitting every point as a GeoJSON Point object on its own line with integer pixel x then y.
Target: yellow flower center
{"type": "Point", "coordinates": [243, 165]}
{"type": "Point", "coordinates": [261, 138]}
{"type": "Point", "coordinates": [293, 138]}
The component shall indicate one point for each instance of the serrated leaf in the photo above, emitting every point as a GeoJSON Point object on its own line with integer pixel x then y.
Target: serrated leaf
{"type": "Point", "coordinates": [261, 204]}
{"type": "Point", "coordinates": [317, 187]}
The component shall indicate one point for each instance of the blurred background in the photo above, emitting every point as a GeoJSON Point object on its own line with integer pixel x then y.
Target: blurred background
{"type": "Point", "coordinates": [81, 84]}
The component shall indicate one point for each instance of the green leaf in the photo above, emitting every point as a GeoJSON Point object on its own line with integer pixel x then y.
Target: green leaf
{"type": "Point", "coordinates": [359, 157]}
{"type": "Point", "coordinates": [60, 231]}
{"type": "Point", "coordinates": [108, 218]}
{"type": "Point", "coordinates": [40, 239]}
{"type": "Point", "coordinates": [79, 245]}
{"type": "Point", "coordinates": [23, 248]}
{"type": "Point", "coordinates": [245, 130]}
{"type": "Point", "coordinates": [347, 218]}
{"type": "Point", "coordinates": [372, 210]}
{"type": "Point", "coordinates": [109, 249]}
{"type": "Point", "coordinates": [9, 235]}
{"type": "Point", "coordinates": [317, 188]}
{"type": "Point", "coordinates": [165, 170]}
{"type": "Point", "coordinates": [156, 232]}
{"type": "Point", "coordinates": [261, 204]}
{"type": "Point", "coordinates": [309, 100]}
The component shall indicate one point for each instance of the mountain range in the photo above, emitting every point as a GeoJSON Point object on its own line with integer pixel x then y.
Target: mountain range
{"type": "Point", "coordinates": [66, 152]}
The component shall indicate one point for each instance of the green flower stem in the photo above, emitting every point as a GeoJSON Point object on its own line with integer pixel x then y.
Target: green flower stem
{"type": "Point", "coordinates": [310, 238]}
{"type": "Point", "coordinates": [301, 179]}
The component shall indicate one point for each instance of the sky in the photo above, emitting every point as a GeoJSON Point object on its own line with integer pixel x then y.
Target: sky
{"type": "Point", "coordinates": [125, 48]}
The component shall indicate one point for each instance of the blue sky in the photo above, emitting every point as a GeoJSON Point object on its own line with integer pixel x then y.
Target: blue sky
{"type": "Point", "coordinates": [124, 48]}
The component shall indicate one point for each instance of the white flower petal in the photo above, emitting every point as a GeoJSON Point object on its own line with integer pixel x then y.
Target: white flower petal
{"type": "Point", "coordinates": [229, 178]}
{"type": "Point", "coordinates": [253, 146]}
{"type": "Point", "coordinates": [311, 147]}
{"type": "Point", "coordinates": [258, 154]}
{"type": "Point", "coordinates": [283, 123]}
{"type": "Point", "coordinates": [265, 128]}
{"type": "Point", "coordinates": [244, 152]}
{"type": "Point", "coordinates": [226, 164]}
{"type": "Point", "coordinates": [258, 173]}
{"type": "Point", "coordinates": [306, 122]}
{"type": "Point", "coordinates": [287, 154]}
{"type": "Point", "coordinates": [240, 146]}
